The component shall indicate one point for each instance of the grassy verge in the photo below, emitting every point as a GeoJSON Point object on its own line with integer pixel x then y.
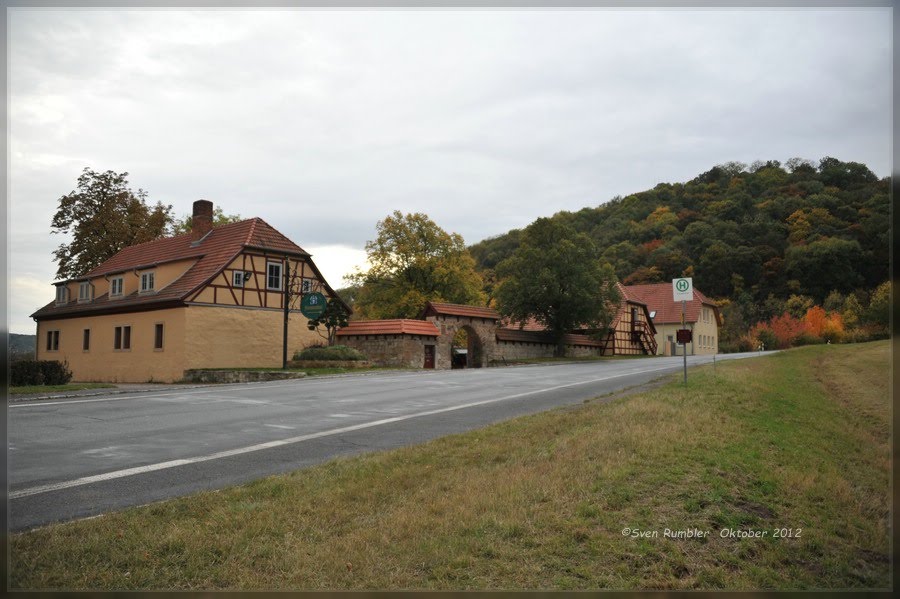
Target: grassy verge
{"type": "Point", "coordinates": [797, 441]}
{"type": "Point", "coordinates": [57, 388]}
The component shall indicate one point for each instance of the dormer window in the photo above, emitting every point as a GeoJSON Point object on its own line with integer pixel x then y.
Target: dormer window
{"type": "Point", "coordinates": [147, 282]}
{"type": "Point", "coordinates": [62, 294]}
{"type": "Point", "coordinates": [85, 291]}
{"type": "Point", "coordinates": [116, 286]}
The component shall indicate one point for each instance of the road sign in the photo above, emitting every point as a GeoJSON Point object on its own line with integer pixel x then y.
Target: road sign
{"type": "Point", "coordinates": [312, 305]}
{"type": "Point", "coordinates": [683, 336]}
{"type": "Point", "coordinates": [683, 289]}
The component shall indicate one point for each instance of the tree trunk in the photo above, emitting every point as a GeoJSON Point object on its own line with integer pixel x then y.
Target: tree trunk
{"type": "Point", "coordinates": [560, 346]}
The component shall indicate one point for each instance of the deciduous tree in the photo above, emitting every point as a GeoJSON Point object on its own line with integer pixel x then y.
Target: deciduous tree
{"type": "Point", "coordinates": [414, 261]}
{"type": "Point", "coordinates": [184, 224]}
{"type": "Point", "coordinates": [103, 215]}
{"type": "Point", "coordinates": [555, 277]}
{"type": "Point", "coordinates": [334, 317]}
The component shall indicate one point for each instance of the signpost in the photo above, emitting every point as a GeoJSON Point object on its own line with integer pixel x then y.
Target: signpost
{"type": "Point", "coordinates": [683, 291]}
{"type": "Point", "coordinates": [312, 305]}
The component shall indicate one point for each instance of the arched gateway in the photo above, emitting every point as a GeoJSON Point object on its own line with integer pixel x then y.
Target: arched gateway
{"type": "Point", "coordinates": [478, 324]}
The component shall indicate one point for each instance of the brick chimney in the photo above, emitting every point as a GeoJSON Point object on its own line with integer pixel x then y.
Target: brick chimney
{"type": "Point", "coordinates": [201, 221]}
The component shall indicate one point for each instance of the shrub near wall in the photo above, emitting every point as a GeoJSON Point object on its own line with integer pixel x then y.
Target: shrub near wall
{"type": "Point", "coordinates": [39, 372]}
{"type": "Point", "coordinates": [338, 353]}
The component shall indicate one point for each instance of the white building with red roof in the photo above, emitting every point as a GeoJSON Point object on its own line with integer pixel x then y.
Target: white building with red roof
{"type": "Point", "coordinates": [211, 298]}
{"type": "Point", "coordinates": [702, 317]}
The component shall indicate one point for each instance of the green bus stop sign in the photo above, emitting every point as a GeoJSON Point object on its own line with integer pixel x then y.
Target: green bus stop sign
{"type": "Point", "coordinates": [312, 305]}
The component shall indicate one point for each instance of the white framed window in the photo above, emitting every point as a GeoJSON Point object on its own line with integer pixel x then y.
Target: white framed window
{"type": "Point", "coordinates": [148, 281]}
{"type": "Point", "coordinates": [116, 286]}
{"type": "Point", "coordinates": [237, 278]}
{"type": "Point", "coordinates": [62, 294]}
{"type": "Point", "coordinates": [306, 286]}
{"type": "Point", "coordinates": [273, 276]}
{"type": "Point", "coordinates": [85, 291]}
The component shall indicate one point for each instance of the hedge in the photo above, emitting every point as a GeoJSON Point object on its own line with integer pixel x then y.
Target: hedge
{"type": "Point", "coordinates": [39, 372]}
{"type": "Point", "coordinates": [333, 353]}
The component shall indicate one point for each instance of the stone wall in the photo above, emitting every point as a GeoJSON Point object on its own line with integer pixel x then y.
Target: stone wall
{"type": "Point", "coordinates": [239, 376]}
{"type": "Point", "coordinates": [519, 350]}
{"type": "Point", "coordinates": [482, 346]}
{"type": "Point", "coordinates": [405, 351]}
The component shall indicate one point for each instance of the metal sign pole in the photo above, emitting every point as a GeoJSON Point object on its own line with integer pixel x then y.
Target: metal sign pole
{"type": "Point", "coordinates": [684, 345]}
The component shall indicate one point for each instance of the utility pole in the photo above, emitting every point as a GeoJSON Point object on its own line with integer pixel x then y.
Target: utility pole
{"type": "Point", "coordinates": [683, 290]}
{"type": "Point", "coordinates": [287, 308]}
{"type": "Point", "coordinates": [684, 345]}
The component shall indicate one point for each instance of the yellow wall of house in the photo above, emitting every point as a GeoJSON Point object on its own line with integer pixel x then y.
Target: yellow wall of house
{"type": "Point", "coordinates": [705, 335]}
{"type": "Point", "coordinates": [140, 363]}
{"type": "Point", "coordinates": [220, 337]}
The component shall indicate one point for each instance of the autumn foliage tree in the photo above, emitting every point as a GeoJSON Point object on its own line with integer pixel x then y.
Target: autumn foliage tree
{"type": "Point", "coordinates": [186, 223]}
{"type": "Point", "coordinates": [103, 215]}
{"type": "Point", "coordinates": [414, 261]}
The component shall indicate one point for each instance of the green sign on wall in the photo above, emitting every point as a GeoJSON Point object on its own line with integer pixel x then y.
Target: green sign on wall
{"type": "Point", "coordinates": [312, 305]}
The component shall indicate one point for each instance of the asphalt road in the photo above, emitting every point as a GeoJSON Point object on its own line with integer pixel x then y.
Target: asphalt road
{"type": "Point", "coordinates": [75, 458]}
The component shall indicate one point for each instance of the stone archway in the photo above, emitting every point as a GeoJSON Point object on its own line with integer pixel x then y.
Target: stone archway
{"type": "Point", "coordinates": [479, 324]}
{"type": "Point", "coordinates": [466, 348]}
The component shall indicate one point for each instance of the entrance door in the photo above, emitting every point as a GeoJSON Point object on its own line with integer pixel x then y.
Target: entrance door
{"type": "Point", "coordinates": [429, 356]}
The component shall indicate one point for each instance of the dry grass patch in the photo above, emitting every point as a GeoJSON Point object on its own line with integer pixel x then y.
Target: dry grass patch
{"type": "Point", "coordinates": [540, 502]}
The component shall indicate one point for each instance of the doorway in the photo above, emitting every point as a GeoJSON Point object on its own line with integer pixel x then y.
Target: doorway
{"type": "Point", "coordinates": [466, 350]}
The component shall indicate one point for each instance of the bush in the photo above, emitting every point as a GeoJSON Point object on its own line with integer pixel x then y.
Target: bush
{"type": "Point", "coordinates": [333, 353]}
{"type": "Point", "coordinates": [39, 372]}
{"type": "Point", "coordinates": [742, 344]}
{"type": "Point", "coordinates": [806, 338]}
{"type": "Point", "coordinates": [863, 334]}
{"type": "Point", "coordinates": [766, 337]}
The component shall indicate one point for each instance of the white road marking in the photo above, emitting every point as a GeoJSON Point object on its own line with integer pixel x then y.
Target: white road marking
{"type": "Point", "coordinates": [290, 428]}
{"type": "Point", "coordinates": [290, 441]}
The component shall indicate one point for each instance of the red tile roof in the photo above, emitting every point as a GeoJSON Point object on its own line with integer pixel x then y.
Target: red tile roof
{"type": "Point", "coordinates": [397, 326]}
{"type": "Point", "coordinates": [212, 253]}
{"type": "Point", "coordinates": [529, 325]}
{"type": "Point", "coordinates": [658, 297]}
{"type": "Point", "coordinates": [438, 308]}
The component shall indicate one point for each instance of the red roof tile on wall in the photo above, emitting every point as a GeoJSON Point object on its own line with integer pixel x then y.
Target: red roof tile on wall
{"type": "Point", "coordinates": [397, 326]}
{"type": "Point", "coordinates": [439, 308]}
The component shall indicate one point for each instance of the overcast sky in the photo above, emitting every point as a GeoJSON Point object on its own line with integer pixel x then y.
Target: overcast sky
{"type": "Point", "coordinates": [323, 122]}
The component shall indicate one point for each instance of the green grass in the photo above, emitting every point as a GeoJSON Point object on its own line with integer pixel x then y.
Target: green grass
{"type": "Point", "coordinates": [57, 388]}
{"type": "Point", "coordinates": [796, 440]}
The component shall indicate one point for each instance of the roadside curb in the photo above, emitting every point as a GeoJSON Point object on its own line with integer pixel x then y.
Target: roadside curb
{"type": "Point", "coordinates": [21, 397]}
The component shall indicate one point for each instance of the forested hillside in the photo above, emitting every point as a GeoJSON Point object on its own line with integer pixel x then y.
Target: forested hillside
{"type": "Point", "coordinates": [755, 236]}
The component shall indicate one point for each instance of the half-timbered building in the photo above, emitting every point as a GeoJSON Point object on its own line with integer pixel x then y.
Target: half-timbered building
{"type": "Point", "coordinates": [211, 298]}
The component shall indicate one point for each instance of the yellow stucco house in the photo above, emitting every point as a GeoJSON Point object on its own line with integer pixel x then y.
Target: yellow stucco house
{"type": "Point", "coordinates": [211, 298]}
{"type": "Point", "coordinates": [701, 317]}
